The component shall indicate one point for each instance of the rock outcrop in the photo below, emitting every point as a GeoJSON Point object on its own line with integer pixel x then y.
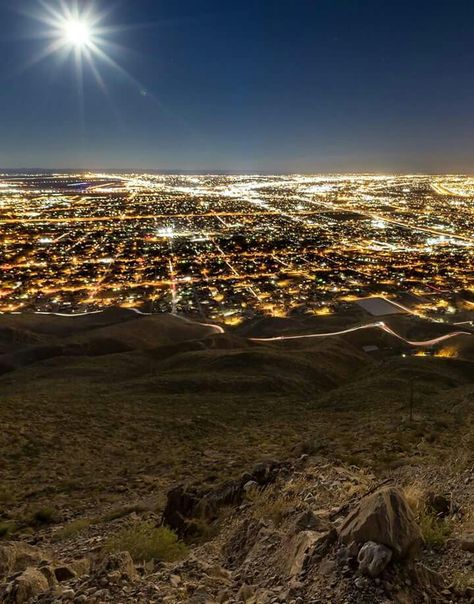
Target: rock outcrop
{"type": "Point", "coordinates": [188, 504]}
{"type": "Point", "coordinates": [383, 517]}
{"type": "Point", "coordinates": [30, 583]}
{"type": "Point", "coordinates": [304, 539]}
{"type": "Point", "coordinates": [16, 557]}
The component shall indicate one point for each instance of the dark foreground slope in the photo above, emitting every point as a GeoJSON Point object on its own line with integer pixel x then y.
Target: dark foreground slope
{"type": "Point", "coordinates": [101, 415]}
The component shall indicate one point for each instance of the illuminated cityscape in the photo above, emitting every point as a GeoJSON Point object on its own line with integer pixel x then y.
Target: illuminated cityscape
{"type": "Point", "coordinates": [234, 247]}
{"type": "Point", "coordinates": [236, 302]}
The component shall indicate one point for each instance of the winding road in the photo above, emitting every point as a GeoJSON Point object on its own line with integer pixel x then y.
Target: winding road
{"type": "Point", "coordinates": [378, 325]}
{"type": "Point", "coordinates": [217, 329]}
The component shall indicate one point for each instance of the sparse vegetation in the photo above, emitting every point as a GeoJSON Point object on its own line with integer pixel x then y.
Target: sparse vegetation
{"type": "Point", "coordinates": [271, 504]}
{"type": "Point", "coordinates": [6, 529]}
{"type": "Point", "coordinates": [71, 529]}
{"type": "Point", "coordinates": [144, 542]}
{"type": "Point", "coordinates": [121, 512]}
{"type": "Point", "coordinates": [45, 515]}
{"type": "Point", "coordinates": [6, 495]}
{"type": "Point", "coordinates": [435, 530]}
{"type": "Point", "coordinates": [463, 579]}
{"type": "Point", "coordinates": [116, 432]}
{"type": "Point", "coordinates": [415, 496]}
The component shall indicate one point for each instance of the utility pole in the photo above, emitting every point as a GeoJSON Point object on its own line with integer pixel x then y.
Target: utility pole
{"type": "Point", "coordinates": [411, 400]}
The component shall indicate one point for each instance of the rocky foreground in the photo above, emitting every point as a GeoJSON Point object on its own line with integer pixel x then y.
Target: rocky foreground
{"type": "Point", "coordinates": [304, 531]}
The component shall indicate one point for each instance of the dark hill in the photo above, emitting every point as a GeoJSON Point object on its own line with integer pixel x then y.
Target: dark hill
{"type": "Point", "coordinates": [102, 415]}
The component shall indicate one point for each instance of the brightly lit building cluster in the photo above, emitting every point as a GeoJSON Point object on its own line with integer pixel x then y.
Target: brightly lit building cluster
{"type": "Point", "coordinates": [232, 247]}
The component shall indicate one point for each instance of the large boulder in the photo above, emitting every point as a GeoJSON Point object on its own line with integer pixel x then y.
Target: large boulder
{"type": "Point", "coordinates": [383, 517]}
{"type": "Point", "coordinates": [16, 557]}
{"type": "Point", "coordinates": [29, 584]}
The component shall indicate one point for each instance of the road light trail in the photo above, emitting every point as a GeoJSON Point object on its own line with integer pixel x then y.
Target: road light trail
{"type": "Point", "coordinates": [172, 274]}
{"type": "Point", "coordinates": [404, 225]}
{"type": "Point", "coordinates": [129, 217]}
{"type": "Point", "coordinates": [441, 189]}
{"type": "Point", "coordinates": [234, 271]}
{"type": "Point", "coordinates": [173, 292]}
{"type": "Point", "coordinates": [215, 328]}
{"type": "Point", "coordinates": [379, 325]}
{"type": "Point", "coordinates": [98, 286]}
{"type": "Point", "coordinates": [220, 330]}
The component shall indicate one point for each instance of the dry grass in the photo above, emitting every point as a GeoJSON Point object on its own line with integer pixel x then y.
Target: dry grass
{"type": "Point", "coordinates": [273, 504]}
{"type": "Point", "coordinates": [144, 542]}
{"type": "Point", "coordinates": [435, 530]}
{"type": "Point", "coordinates": [415, 495]}
{"type": "Point", "coordinates": [121, 512]}
{"type": "Point", "coordinates": [72, 529]}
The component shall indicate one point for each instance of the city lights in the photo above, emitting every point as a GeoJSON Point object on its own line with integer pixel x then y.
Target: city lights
{"type": "Point", "coordinates": [234, 247]}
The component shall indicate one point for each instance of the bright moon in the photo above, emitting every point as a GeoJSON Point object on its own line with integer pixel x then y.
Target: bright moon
{"type": "Point", "coordinates": [76, 30]}
{"type": "Point", "coordinates": [77, 33]}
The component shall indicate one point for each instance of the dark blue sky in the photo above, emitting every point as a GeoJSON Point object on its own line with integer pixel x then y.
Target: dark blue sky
{"type": "Point", "coordinates": [249, 85]}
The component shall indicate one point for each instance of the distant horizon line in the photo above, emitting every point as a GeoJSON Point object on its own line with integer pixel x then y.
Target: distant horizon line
{"type": "Point", "coordinates": [217, 172]}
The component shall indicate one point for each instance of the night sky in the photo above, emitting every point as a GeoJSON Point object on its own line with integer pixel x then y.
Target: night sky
{"type": "Point", "coordinates": [248, 85]}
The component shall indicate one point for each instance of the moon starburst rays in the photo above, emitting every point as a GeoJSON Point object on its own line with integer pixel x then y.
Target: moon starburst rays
{"type": "Point", "coordinates": [73, 29]}
{"type": "Point", "coordinates": [78, 33]}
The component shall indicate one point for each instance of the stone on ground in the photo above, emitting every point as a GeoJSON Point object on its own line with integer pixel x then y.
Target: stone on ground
{"type": "Point", "coordinates": [383, 517]}
{"type": "Point", "coordinates": [26, 586]}
{"type": "Point", "coordinates": [373, 558]}
{"type": "Point", "coordinates": [16, 557]}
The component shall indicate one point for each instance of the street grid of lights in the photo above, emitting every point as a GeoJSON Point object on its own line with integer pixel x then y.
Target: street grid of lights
{"type": "Point", "coordinates": [227, 247]}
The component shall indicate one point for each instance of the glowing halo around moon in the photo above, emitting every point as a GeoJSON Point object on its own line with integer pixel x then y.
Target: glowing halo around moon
{"type": "Point", "coordinates": [72, 26]}
{"type": "Point", "coordinates": [79, 30]}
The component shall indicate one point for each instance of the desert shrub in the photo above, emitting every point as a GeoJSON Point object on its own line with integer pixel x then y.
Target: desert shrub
{"type": "Point", "coordinates": [71, 529]}
{"type": "Point", "coordinates": [435, 530]}
{"type": "Point", "coordinates": [6, 529]}
{"type": "Point", "coordinates": [203, 529]}
{"type": "Point", "coordinates": [144, 541]}
{"type": "Point", "coordinates": [46, 515]}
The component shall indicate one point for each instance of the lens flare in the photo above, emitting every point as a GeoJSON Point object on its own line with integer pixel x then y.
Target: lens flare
{"type": "Point", "coordinates": [80, 35]}
{"type": "Point", "coordinates": [74, 28]}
